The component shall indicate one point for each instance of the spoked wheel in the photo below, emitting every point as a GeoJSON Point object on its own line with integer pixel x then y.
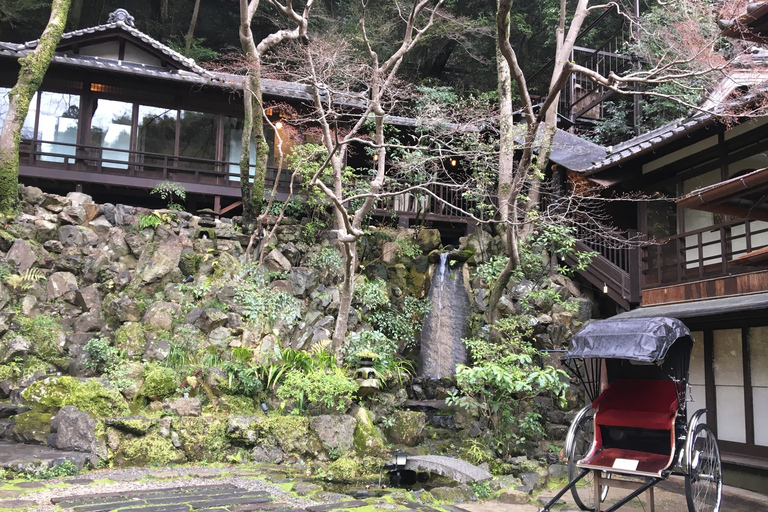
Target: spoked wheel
{"type": "Point", "coordinates": [704, 481]}
{"type": "Point", "coordinates": [580, 439]}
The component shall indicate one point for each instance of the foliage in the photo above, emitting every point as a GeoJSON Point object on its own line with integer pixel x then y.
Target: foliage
{"type": "Point", "coordinates": [329, 389]}
{"type": "Point", "coordinates": [66, 468]}
{"type": "Point", "coordinates": [102, 356]}
{"type": "Point", "coordinates": [403, 324]}
{"type": "Point", "coordinates": [167, 190]}
{"type": "Point", "coordinates": [263, 305]}
{"type": "Point", "coordinates": [491, 269]}
{"type": "Point", "coordinates": [371, 293]}
{"type": "Point", "coordinates": [242, 378]}
{"type": "Point", "coordinates": [24, 281]}
{"type": "Point", "coordinates": [503, 381]}
{"type": "Point", "coordinates": [370, 341]}
{"type": "Point", "coordinates": [327, 260]}
{"type": "Point", "coordinates": [407, 247]}
{"type": "Point", "coordinates": [44, 333]}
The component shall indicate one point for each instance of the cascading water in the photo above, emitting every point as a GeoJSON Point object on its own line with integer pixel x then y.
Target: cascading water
{"type": "Point", "coordinates": [441, 346]}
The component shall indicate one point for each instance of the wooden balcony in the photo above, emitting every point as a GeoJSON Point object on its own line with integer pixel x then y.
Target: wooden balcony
{"type": "Point", "coordinates": [111, 167]}
{"type": "Point", "coordinates": [725, 259]}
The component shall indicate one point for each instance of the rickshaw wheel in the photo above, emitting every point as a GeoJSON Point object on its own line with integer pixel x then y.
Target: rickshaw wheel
{"type": "Point", "coordinates": [583, 435]}
{"type": "Point", "coordinates": [704, 481]}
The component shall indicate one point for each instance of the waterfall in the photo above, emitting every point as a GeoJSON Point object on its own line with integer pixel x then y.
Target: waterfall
{"type": "Point", "coordinates": [441, 346]}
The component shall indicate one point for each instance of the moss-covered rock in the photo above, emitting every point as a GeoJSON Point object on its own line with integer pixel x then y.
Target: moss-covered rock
{"type": "Point", "coordinates": [131, 338]}
{"type": "Point", "coordinates": [159, 382]}
{"type": "Point", "coordinates": [407, 428]}
{"type": "Point", "coordinates": [367, 438]}
{"type": "Point", "coordinates": [136, 425]}
{"type": "Point", "coordinates": [88, 395]}
{"type": "Point", "coordinates": [291, 433]}
{"type": "Point", "coordinates": [344, 470]}
{"type": "Point", "coordinates": [32, 427]}
{"type": "Point", "coordinates": [237, 404]}
{"type": "Point", "coordinates": [45, 336]}
{"type": "Point", "coordinates": [149, 449]}
{"type": "Point", "coordinates": [203, 438]}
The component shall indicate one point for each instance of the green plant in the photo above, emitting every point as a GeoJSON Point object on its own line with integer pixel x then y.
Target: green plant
{"type": "Point", "coordinates": [149, 221]}
{"type": "Point", "coordinates": [407, 247]}
{"type": "Point", "coordinates": [25, 281]}
{"type": "Point", "coordinates": [401, 324]}
{"type": "Point", "coordinates": [101, 354]}
{"type": "Point", "coordinates": [261, 304]}
{"type": "Point", "coordinates": [327, 260]}
{"type": "Point", "coordinates": [159, 381]}
{"type": "Point", "coordinates": [482, 489]}
{"type": "Point", "coordinates": [242, 379]}
{"type": "Point", "coordinates": [371, 341]}
{"type": "Point", "coordinates": [329, 389]}
{"type": "Point", "coordinates": [503, 381]}
{"type": "Point", "coordinates": [167, 190]}
{"type": "Point", "coordinates": [491, 269]}
{"type": "Point", "coordinates": [372, 293]}
{"type": "Point", "coordinates": [66, 468]}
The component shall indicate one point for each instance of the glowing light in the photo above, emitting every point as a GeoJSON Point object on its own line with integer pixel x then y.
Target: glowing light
{"type": "Point", "coordinates": [279, 125]}
{"type": "Point", "coordinates": [375, 158]}
{"type": "Point", "coordinates": [454, 162]}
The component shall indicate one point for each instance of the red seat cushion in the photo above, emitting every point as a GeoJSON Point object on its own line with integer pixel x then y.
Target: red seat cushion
{"type": "Point", "coordinates": [650, 404]}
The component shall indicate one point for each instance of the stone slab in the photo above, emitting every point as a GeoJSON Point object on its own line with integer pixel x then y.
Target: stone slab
{"type": "Point", "coordinates": [30, 485]}
{"type": "Point", "coordinates": [18, 503]}
{"type": "Point", "coordinates": [262, 506]}
{"type": "Point", "coordinates": [337, 506]}
{"type": "Point", "coordinates": [222, 502]}
{"type": "Point", "coordinates": [79, 481]}
{"type": "Point", "coordinates": [150, 492]}
{"type": "Point", "coordinates": [14, 453]}
{"type": "Point", "coordinates": [9, 493]}
{"type": "Point", "coordinates": [455, 469]}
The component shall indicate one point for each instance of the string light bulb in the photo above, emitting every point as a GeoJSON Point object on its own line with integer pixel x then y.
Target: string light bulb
{"type": "Point", "coordinates": [375, 158]}
{"type": "Point", "coordinates": [454, 162]}
{"type": "Point", "coordinates": [279, 125]}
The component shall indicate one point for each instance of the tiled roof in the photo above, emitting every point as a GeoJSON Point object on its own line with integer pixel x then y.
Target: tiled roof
{"type": "Point", "coordinates": [648, 141]}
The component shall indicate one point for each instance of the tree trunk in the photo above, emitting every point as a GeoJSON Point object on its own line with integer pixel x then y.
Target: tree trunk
{"type": "Point", "coordinates": [507, 189]}
{"type": "Point", "coordinates": [245, 148]}
{"type": "Point", "coordinates": [191, 32]}
{"type": "Point", "coordinates": [346, 289]}
{"type": "Point", "coordinates": [33, 68]}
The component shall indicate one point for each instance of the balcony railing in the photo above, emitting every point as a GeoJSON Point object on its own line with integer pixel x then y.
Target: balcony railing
{"type": "Point", "coordinates": [704, 253]}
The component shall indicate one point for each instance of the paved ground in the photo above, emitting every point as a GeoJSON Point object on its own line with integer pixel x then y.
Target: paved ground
{"type": "Point", "coordinates": [263, 489]}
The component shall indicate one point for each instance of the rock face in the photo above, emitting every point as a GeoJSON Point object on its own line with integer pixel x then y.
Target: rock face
{"type": "Point", "coordinates": [76, 430]}
{"type": "Point", "coordinates": [335, 431]}
{"type": "Point", "coordinates": [407, 428]}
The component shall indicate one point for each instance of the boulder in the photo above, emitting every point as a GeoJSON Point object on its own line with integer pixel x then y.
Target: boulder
{"type": "Point", "coordinates": [210, 319]}
{"type": "Point", "coordinates": [54, 203]}
{"type": "Point", "coordinates": [100, 226]}
{"type": "Point", "coordinates": [336, 432]}
{"type": "Point", "coordinates": [32, 427]}
{"type": "Point", "coordinates": [389, 252]}
{"type": "Point", "coordinates": [367, 440]}
{"type": "Point", "coordinates": [60, 283]}
{"type": "Point", "coordinates": [407, 428]}
{"type": "Point", "coordinates": [79, 199]}
{"type": "Point", "coordinates": [18, 347]}
{"type": "Point", "coordinates": [22, 255]}
{"type": "Point", "coordinates": [46, 231]}
{"type": "Point", "coordinates": [71, 236]}
{"type": "Point", "coordinates": [73, 215]}
{"type": "Point", "coordinates": [303, 281]}
{"type": "Point", "coordinates": [276, 262]}
{"type": "Point", "coordinates": [76, 431]}
{"type": "Point", "coordinates": [136, 243]}
{"type": "Point", "coordinates": [155, 265]}
{"type": "Point", "coordinates": [88, 298]}
{"type": "Point", "coordinates": [131, 338]}
{"type": "Point", "coordinates": [126, 309]}
{"type": "Point", "coordinates": [156, 350]}
{"type": "Point", "coordinates": [161, 315]}
{"type": "Point", "coordinates": [428, 239]}
{"type": "Point", "coordinates": [183, 406]}
{"type": "Point", "coordinates": [89, 322]}
{"type": "Point", "coordinates": [479, 243]}
{"type": "Point", "coordinates": [32, 195]}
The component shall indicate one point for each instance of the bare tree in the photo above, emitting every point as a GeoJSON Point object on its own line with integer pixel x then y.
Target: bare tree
{"type": "Point", "coordinates": [519, 191]}
{"type": "Point", "coordinates": [377, 77]}
{"type": "Point", "coordinates": [253, 123]}
{"type": "Point", "coordinates": [33, 68]}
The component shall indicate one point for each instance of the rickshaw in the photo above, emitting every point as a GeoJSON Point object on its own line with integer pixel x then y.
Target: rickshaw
{"type": "Point", "coordinates": [636, 430]}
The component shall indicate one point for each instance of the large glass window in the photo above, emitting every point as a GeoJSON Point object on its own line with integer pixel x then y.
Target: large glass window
{"type": "Point", "coordinates": [111, 130]}
{"type": "Point", "coordinates": [28, 129]}
{"type": "Point", "coordinates": [57, 126]}
{"type": "Point", "coordinates": [728, 366]}
{"type": "Point", "coordinates": [197, 139]}
{"type": "Point", "coordinates": [157, 136]}
{"type": "Point", "coordinates": [233, 134]}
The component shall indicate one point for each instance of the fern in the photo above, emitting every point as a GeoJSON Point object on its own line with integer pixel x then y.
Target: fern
{"type": "Point", "coordinates": [25, 281]}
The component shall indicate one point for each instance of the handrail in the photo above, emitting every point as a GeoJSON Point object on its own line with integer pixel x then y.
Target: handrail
{"type": "Point", "coordinates": [690, 256]}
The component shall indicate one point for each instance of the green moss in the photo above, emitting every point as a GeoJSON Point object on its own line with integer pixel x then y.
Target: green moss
{"type": "Point", "coordinates": [89, 395]}
{"type": "Point", "coordinates": [343, 470]}
{"type": "Point", "coordinates": [159, 382]}
{"type": "Point", "coordinates": [367, 440]}
{"type": "Point", "coordinates": [33, 426]}
{"type": "Point", "coordinates": [33, 364]}
{"type": "Point", "coordinates": [237, 404]}
{"type": "Point", "coordinates": [150, 449]}
{"type": "Point", "coordinates": [44, 334]}
{"type": "Point", "coordinates": [131, 338]}
{"type": "Point", "coordinates": [203, 439]}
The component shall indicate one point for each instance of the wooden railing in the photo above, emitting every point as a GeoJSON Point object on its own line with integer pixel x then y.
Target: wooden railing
{"type": "Point", "coordinates": [440, 202]}
{"type": "Point", "coordinates": [704, 253]}
{"type": "Point", "coordinates": [141, 164]}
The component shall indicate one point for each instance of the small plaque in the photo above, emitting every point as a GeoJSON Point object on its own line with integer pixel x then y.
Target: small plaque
{"type": "Point", "coordinates": [626, 464]}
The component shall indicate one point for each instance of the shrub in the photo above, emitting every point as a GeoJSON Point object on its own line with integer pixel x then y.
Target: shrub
{"type": "Point", "coordinates": [329, 389]}
{"type": "Point", "coordinates": [369, 341]}
{"type": "Point", "coordinates": [263, 305]}
{"type": "Point", "coordinates": [371, 293]}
